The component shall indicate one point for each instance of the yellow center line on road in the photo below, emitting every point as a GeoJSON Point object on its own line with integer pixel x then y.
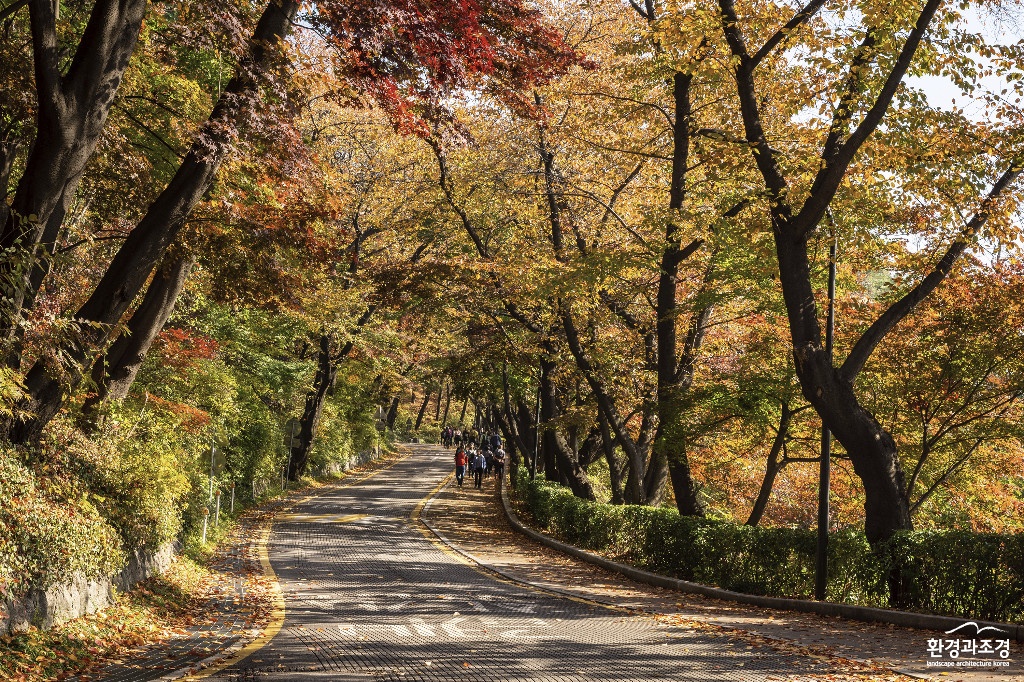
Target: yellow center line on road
{"type": "Point", "coordinates": [436, 539]}
{"type": "Point", "coordinates": [331, 518]}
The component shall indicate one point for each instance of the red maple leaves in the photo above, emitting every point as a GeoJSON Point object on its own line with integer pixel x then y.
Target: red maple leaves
{"type": "Point", "coordinates": [408, 56]}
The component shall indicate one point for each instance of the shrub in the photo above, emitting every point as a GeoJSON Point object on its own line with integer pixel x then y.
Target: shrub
{"type": "Point", "coordinates": [977, 575]}
{"type": "Point", "coordinates": [970, 575]}
{"type": "Point", "coordinates": [49, 532]}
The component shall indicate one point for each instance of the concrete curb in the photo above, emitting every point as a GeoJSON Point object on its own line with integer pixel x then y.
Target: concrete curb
{"type": "Point", "coordinates": [919, 621]}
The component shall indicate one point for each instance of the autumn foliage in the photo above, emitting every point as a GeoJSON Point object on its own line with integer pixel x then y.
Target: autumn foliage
{"type": "Point", "coordinates": [602, 229]}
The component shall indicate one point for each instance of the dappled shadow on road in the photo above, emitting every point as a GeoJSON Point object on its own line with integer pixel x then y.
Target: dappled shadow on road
{"type": "Point", "coordinates": [368, 596]}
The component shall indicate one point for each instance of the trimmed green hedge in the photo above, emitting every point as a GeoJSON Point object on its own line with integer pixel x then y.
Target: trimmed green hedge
{"type": "Point", "coordinates": [970, 575]}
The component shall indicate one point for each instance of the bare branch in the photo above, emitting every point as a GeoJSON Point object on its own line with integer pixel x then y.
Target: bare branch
{"type": "Point", "coordinates": [621, 98]}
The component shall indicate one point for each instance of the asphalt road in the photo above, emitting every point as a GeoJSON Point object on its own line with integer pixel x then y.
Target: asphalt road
{"type": "Point", "coordinates": [369, 597]}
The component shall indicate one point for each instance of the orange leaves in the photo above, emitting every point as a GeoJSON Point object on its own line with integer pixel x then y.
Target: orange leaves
{"type": "Point", "coordinates": [181, 348]}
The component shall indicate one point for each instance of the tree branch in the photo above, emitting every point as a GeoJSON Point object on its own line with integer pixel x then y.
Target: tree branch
{"type": "Point", "coordinates": [835, 167]}
{"type": "Point", "coordinates": [942, 479]}
{"type": "Point", "coordinates": [11, 9]}
{"type": "Point", "coordinates": [444, 180]}
{"type": "Point", "coordinates": [874, 334]}
{"type": "Point", "coordinates": [799, 18]}
{"type": "Point", "coordinates": [764, 155]}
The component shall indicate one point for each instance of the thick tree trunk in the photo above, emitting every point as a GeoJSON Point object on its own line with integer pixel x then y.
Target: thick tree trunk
{"type": "Point", "coordinates": [871, 449]}
{"type": "Point", "coordinates": [591, 448]}
{"type": "Point", "coordinates": [393, 413]}
{"type": "Point", "coordinates": [147, 243]}
{"type": "Point", "coordinates": [772, 467]}
{"type": "Point", "coordinates": [323, 381]}
{"type": "Point", "coordinates": [71, 114]}
{"type": "Point", "coordinates": [116, 372]}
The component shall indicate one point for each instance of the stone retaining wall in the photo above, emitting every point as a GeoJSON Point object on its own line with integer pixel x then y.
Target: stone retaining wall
{"type": "Point", "coordinates": [60, 603]}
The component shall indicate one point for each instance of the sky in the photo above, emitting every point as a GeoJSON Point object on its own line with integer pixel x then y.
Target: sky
{"type": "Point", "coordinates": [1005, 27]}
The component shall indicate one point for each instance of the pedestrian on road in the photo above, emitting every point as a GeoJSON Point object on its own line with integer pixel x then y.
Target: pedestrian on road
{"type": "Point", "coordinates": [495, 440]}
{"type": "Point", "coordinates": [479, 465]}
{"type": "Point", "coordinates": [460, 465]}
{"type": "Point", "coordinates": [489, 457]}
{"type": "Point", "coordinates": [499, 463]}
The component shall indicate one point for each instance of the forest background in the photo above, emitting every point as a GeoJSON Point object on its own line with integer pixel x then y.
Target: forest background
{"type": "Point", "coordinates": [289, 234]}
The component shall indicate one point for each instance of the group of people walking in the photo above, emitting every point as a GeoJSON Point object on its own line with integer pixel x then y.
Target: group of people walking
{"type": "Point", "coordinates": [476, 452]}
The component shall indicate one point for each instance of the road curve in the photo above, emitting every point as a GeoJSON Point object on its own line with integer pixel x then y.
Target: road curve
{"type": "Point", "coordinates": [369, 597]}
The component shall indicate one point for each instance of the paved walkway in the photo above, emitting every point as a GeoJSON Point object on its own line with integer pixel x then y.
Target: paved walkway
{"type": "Point", "coordinates": [368, 597]}
{"type": "Point", "coordinates": [371, 595]}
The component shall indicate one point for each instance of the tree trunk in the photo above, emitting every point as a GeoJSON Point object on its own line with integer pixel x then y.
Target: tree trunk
{"type": "Point", "coordinates": [871, 449]}
{"type": "Point", "coordinates": [656, 476]}
{"type": "Point", "coordinates": [423, 410]}
{"type": "Point", "coordinates": [393, 413]}
{"type": "Point", "coordinates": [591, 448]}
{"type": "Point", "coordinates": [670, 439]}
{"type": "Point", "coordinates": [635, 454]}
{"type": "Point", "coordinates": [526, 426]}
{"type": "Point", "coordinates": [513, 446]}
{"type": "Point", "coordinates": [115, 374]}
{"type": "Point", "coordinates": [71, 114]}
{"type": "Point", "coordinates": [8, 153]}
{"type": "Point", "coordinates": [437, 408]}
{"type": "Point", "coordinates": [147, 243]}
{"type": "Point", "coordinates": [447, 404]}
{"type": "Point", "coordinates": [462, 415]}
{"type": "Point", "coordinates": [323, 380]}
{"type": "Point", "coordinates": [559, 463]}
{"type": "Point", "coordinates": [615, 467]}
{"type": "Point", "coordinates": [772, 467]}
{"type": "Point", "coordinates": [548, 411]}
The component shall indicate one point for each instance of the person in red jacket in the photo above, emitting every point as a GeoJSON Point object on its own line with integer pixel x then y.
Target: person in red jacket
{"type": "Point", "coordinates": [460, 465]}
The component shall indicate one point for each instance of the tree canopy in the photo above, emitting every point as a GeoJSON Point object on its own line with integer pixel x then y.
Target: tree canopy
{"type": "Point", "coordinates": [599, 228]}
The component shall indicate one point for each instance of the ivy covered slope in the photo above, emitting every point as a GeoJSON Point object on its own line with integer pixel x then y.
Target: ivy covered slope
{"type": "Point", "coordinates": [76, 502]}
